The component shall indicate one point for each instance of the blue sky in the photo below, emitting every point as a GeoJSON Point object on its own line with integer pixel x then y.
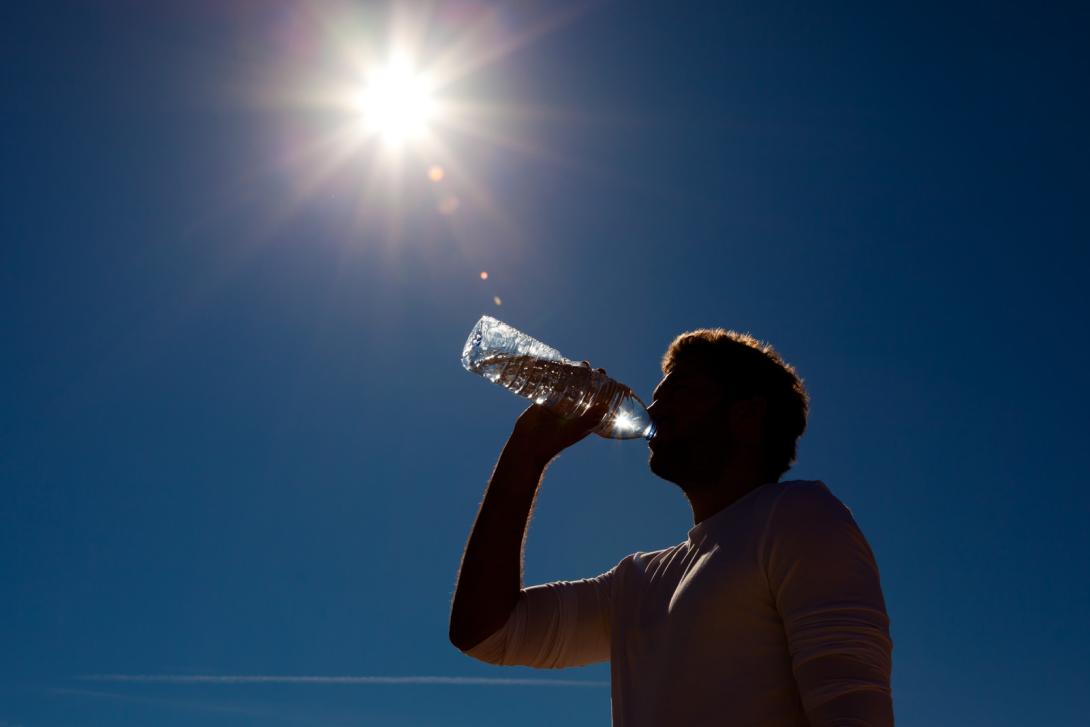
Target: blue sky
{"type": "Point", "coordinates": [236, 438]}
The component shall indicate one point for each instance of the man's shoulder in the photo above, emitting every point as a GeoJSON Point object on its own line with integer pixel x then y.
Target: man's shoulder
{"type": "Point", "coordinates": [812, 495]}
{"type": "Point", "coordinates": [804, 487]}
{"type": "Point", "coordinates": [809, 511]}
{"type": "Point", "coordinates": [644, 561]}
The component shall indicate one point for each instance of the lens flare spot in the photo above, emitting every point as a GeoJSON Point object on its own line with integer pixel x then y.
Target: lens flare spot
{"type": "Point", "coordinates": [497, 300]}
{"type": "Point", "coordinates": [449, 204]}
{"type": "Point", "coordinates": [436, 173]}
{"type": "Point", "coordinates": [484, 275]}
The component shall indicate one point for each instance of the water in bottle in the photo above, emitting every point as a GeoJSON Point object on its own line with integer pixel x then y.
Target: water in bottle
{"type": "Point", "coordinates": [526, 366]}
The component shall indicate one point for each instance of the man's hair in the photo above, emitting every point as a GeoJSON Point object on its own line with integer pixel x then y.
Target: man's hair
{"type": "Point", "coordinates": [748, 367]}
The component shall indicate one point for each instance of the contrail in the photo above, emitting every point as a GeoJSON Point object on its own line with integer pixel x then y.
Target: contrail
{"type": "Point", "coordinates": [156, 701]}
{"type": "Point", "coordinates": [275, 679]}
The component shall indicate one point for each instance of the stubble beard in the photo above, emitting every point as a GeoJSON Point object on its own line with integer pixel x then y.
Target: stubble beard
{"type": "Point", "coordinates": [689, 466]}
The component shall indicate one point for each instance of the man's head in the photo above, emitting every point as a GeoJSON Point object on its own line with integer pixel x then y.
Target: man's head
{"type": "Point", "coordinates": [726, 400]}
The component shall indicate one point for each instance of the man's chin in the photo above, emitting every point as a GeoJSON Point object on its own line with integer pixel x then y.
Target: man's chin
{"type": "Point", "coordinates": [660, 465]}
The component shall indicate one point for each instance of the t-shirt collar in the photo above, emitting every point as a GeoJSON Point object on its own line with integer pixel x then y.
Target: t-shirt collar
{"type": "Point", "coordinates": [698, 531]}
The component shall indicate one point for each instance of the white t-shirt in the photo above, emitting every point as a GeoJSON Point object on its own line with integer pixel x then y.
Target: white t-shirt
{"type": "Point", "coordinates": [769, 611]}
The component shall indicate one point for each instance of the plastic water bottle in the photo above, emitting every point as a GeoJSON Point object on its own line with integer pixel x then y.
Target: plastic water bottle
{"type": "Point", "coordinates": [526, 366]}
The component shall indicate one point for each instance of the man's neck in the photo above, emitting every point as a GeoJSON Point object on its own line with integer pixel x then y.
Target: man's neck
{"type": "Point", "coordinates": [709, 498]}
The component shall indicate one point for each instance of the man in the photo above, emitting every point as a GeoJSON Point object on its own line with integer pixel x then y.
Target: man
{"type": "Point", "coordinates": [769, 613]}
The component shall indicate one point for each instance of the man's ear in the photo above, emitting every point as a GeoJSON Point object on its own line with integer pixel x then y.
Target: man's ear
{"type": "Point", "coordinates": [747, 419]}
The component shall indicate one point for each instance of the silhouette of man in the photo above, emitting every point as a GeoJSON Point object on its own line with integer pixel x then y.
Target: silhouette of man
{"type": "Point", "coordinates": [770, 612]}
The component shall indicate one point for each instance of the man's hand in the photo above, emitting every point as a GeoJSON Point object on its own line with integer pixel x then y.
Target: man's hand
{"type": "Point", "coordinates": [542, 434]}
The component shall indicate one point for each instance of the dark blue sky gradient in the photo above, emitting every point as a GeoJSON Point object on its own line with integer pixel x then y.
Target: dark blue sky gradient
{"type": "Point", "coordinates": [236, 438]}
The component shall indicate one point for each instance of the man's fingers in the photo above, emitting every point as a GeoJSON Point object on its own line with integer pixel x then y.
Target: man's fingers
{"type": "Point", "coordinates": [587, 364]}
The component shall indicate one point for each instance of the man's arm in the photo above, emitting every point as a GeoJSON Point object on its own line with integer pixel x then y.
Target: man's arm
{"type": "Point", "coordinates": [490, 580]}
{"type": "Point", "coordinates": [826, 586]}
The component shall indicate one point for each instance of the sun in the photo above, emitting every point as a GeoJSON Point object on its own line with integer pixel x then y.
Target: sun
{"type": "Point", "coordinates": [397, 102]}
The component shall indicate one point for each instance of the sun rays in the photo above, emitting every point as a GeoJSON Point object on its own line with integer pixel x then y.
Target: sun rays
{"type": "Point", "coordinates": [378, 101]}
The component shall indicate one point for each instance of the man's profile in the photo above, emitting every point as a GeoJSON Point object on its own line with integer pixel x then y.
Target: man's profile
{"type": "Point", "coordinates": [770, 612]}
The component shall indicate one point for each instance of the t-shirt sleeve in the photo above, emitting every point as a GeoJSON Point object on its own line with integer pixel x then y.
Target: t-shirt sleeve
{"type": "Point", "coordinates": [825, 583]}
{"type": "Point", "coordinates": [555, 625]}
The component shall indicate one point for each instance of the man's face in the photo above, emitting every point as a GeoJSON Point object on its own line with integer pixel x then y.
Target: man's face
{"type": "Point", "coordinates": [692, 434]}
